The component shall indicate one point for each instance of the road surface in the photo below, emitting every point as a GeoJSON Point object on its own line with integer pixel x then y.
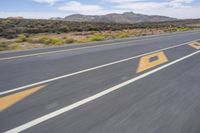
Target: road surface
{"type": "Point", "coordinates": [136, 85]}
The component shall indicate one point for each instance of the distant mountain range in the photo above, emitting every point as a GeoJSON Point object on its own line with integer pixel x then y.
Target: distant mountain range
{"type": "Point", "coordinates": [127, 17]}
{"type": "Point", "coordinates": [18, 17]}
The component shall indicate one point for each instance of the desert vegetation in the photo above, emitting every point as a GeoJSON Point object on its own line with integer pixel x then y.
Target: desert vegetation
{"type": "Point", "coordinates": [19, 34]}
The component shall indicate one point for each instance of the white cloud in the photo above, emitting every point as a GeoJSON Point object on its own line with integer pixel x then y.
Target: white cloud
{"type": "Point", "coordinates": [138, 4]}
{"type": "Point", "coordinates": [172, 8]}
{"type": "Point", "coordinates": [131, 1]}
{"type": "Point", "coordinates": [141, 5]}
{"type": "Point", "coordinates": [50, 2]}
{"type": "Point", "coordinates": [123, 1]}
{"type": "Point", "coordinates": [186, 12]}
{"type": "Point", "coordinates": [77, 7]}
{"type": "Point", "coordinates": [181, 1]}
{"type": "Point", "coordinates": [36, 15]}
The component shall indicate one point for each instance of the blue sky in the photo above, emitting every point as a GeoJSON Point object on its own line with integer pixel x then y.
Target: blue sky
{"type": "Point", "coordinates": [61, 8]}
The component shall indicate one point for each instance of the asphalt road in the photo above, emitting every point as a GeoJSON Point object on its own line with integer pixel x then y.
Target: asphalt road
{"type": "Point", "coordinates": [135, 85]}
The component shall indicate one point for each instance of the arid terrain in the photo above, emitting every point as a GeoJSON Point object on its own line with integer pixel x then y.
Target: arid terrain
{"type": "Point", "coordinates": [21, 34]}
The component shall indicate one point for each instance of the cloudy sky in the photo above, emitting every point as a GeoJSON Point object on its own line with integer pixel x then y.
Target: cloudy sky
{"type": "Point", "coordinates": [61, 8]}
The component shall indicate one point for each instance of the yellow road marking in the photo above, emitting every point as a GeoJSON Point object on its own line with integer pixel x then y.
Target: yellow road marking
{"type": "Point", "coordinates": [146, 63]}
{"type": "Point", "coordinates": [195, 45]}
{"type": "Point", "coordinates": [7, 101]}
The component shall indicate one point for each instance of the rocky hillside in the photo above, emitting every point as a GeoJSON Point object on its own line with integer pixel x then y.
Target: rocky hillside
{"type": "Point", "coordinates": [127, 17]}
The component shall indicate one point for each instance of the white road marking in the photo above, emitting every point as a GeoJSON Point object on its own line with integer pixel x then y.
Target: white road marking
{"type": "Point", "coordinates": [86, 70]}
{"type": "Point", "coordinates": [93, 97]}
{"type": "Point", "coordinates": [52, 52]}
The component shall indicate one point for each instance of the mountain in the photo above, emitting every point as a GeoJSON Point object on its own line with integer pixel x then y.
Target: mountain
{"type": "Point", "coordinates": [56, 18]}
{"type": "Point", "coordinates": [127, 17]}
{"type": "Point", "coordinates": [19, 17]}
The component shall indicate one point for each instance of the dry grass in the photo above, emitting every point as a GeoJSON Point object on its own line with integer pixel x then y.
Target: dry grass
{"type": "Point", "coordinates": [46, 40]}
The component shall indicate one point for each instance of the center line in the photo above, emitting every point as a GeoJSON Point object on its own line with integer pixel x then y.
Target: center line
{"type": "Point", "coordinates": [93, 97]}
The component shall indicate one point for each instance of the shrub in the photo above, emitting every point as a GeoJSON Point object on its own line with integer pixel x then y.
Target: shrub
{"type": "Point", "coordinates": [69, 40]}
{"type": "Point", "coordinates": [21, 38]}
{"type": "Point", "coordinates": [3, 46]}
{"type": "Point", "coordinates": [56, 41]}
{"type": "Point", "coordinates": [45, 40]}
{"type": "Point", "coordinates": [15, 46]}
{"type": "Point", "coordinates": [183, 28]}
{"type": "Point", "coordinates": [83, 40]}
{"type": "Point", "coordinates": [122, 35]}
{"type": "Point", "coordinates": [110, 35]}
{"type": "Point", "coordinates": [30, 40]}
{"type": "Point", "coordinates": [97, 37]}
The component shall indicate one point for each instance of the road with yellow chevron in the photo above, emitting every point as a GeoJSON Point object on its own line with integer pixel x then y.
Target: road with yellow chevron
{"type": "Point", "coordinates": [147, 84]}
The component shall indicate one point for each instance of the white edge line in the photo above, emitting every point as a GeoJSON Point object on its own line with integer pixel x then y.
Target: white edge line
{"type": "Point", "coordinates": [86, 70]}
{"type": "Point", "coordinates": [52, 52]}
{"type": "Point", "coordinates": [91, 98]}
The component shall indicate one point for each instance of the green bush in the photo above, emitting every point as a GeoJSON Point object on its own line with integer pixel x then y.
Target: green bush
{"type": "Point", "coordinates": [15, 46]}
{"type": "Point", "coordinates": [109, 36]}
{"type": "Point", "coordinates": [83, 40]}
{"type": "Point", "coordinates": [30, 40]}
{"type": "Point", "coordinates": [21, 38]}
{"type": "Point", "coordinates": [69, 40]}
{"type": "Point", "coordinates": [57, 41]}
{"type": "Point", "coordinates": [97, 37]}
{"type": "Point", "coordinates": [183, 28]}
{"type": "Point", "coordinates": [53, 41]}
{"type": "Point", "coordinates": [45, 40]}
{"type": "Point", "coordinates": [122, 35]}
{"type": "Point", "coordinates": [3, 46]}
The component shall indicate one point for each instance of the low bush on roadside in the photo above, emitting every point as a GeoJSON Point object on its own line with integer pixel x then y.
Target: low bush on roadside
{"type": "Point", "coordinates": [97, 37]}
{"type": "Point", "coordinates": [21, 38]}
{"type": "Point", "coordinates": [83, 40]}
{"type": "Point", "coordinates": [30, 40]}
{"type": "Point", "coordinates": [3, 46]}
{"type": "Point", "coordinates": [52, 41]}
{"type": "Point", "coordinates": [183, 28]}
{"type": "Point", "coordinates": [45, 40]}
{"type": "Point", "coordinates": [56, 41]}
{"type": "Point", "coordinates": [108, 35]}
{"type": "Point", "coordinates": [69, 40]}
{"type": "Point", "coordinates": [122, 35]}
{"type": "Point", "coordinates": [15, 46]}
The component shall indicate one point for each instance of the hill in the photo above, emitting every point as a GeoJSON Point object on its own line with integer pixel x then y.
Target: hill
{"type": "Point", "coordinates": [127, 17]}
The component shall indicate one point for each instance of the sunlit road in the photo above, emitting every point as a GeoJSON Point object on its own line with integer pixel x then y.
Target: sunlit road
{"type": "Point", "coordinates": [138, 85]}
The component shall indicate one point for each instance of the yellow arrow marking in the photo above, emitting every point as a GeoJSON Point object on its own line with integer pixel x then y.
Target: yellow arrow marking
{"type": "Point", "coordinates": [195, 45]}
{"type": "Point", "coordinates": [7, 101]}
{"type": "Point", "coordinates": [146, 63]}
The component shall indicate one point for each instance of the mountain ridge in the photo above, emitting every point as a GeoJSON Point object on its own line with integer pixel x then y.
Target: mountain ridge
{"type": "Point", "coordinates": [126, 17]}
